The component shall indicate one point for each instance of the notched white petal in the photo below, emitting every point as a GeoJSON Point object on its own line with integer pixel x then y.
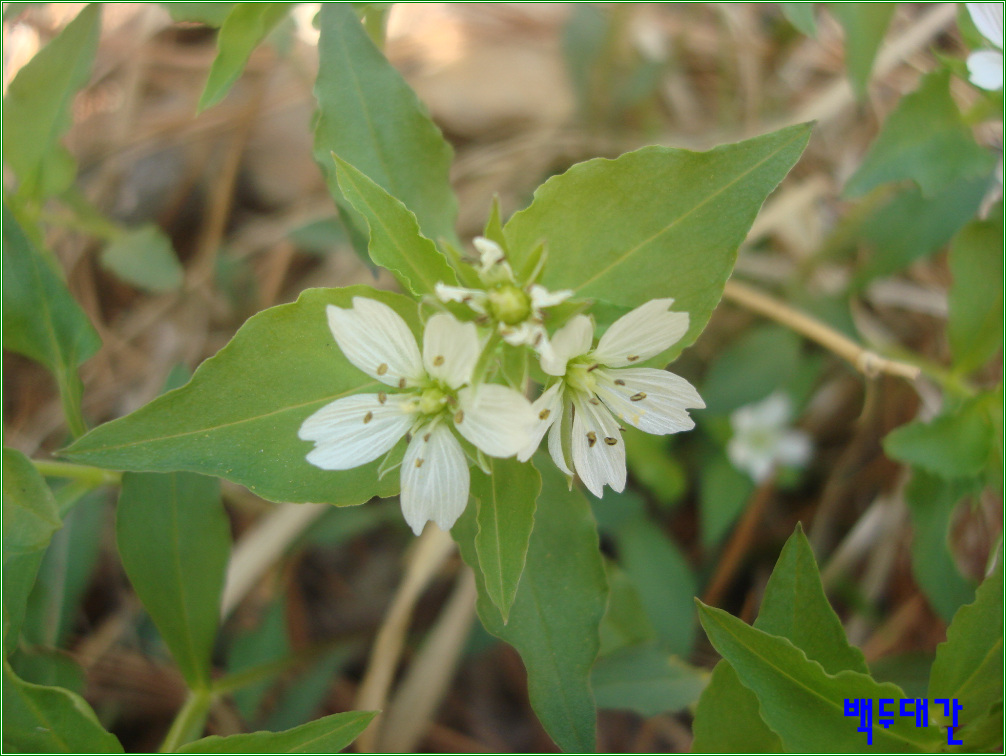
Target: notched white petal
{"type": "Point", "coordinates": [474, 298]}
{"type": "Point", "coordinates": [988, 18]}
{"type": "Point", "coordinates": [355, 430]}
{"type": "Point", "coordinates": [570, 341]}
{"type": "Point", "coordinates": [542, 297]}
{"type": "Point", "coordinates": [547, 408]}
{"type": "Point", "coordinates": [376, 339]}
{"type": "Point", "coordinates": [435, 479]}
{"type": "Point", "coordinates": [640, 334]}
{"type": "Point", "coordinates": [450, 349]}
{"type": "Point", "coordinates": [985, 69]}
{"type": "Point", "coordinates": [490, 253]}
{"type": "Point", "coordinates": [598, 448]}
{"type": "Point", "coordinates": [495, 418]}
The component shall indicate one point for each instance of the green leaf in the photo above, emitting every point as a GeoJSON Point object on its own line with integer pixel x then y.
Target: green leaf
{"type": "Point", "coordinates": [801, 15]}
{"type": "Point", "coordinates": [36, 108]}
{"type": "Point", "coordinates": [653, 467]}
{"type": "Point", "coordinates": [211, 14]}
{"type": "Point", "coordinates": [625, 621]}
{"type": "Point", "coordinates": [953, 445]}
{"type": "Point", "coordinates": [865, 25]}
{"type": "Point", "coordinates": [931, 503]}
{"type": "Point", "coordinates": [723, 491]}
{"type": "Point", "coordinates": [665, 582]}
{"type": "Point", "coordinates": [975, 326]}
{"type": "Point", "coordinates": [326, 735]}
{"type": "Point", "coordinates": [555, 615]}
{"type": "Point", "coordinates": [645, 680]}
{"type": "Point", "coordinates": [242, 31]}
{"type": "Point", "coordinates": [174, 540]}
{"type": "Point", "coordinates": [794, 607]}
{"type": "Point", "coordinates": [800, 701]}
{"type": "Point", "coordinates": [969, 664]}
{"type": "Point", "coordinates": [395, 240]}
{"type": "Point", "coordinates": [261, 645]}
{"type": "Point", "coordinates": [144, 257]}
{"type": "Point", "coordinates": [369, 117]}
{"type": "Point", "coordinates": [30, 518]}
{"type": "Point", "coordinates": [305, 694]}
{"type": "Point", "coordinates": [657, 222]}
{"type": "Point", "coordinates": [239, 416]}
{"type": "Point", "coordinates": [40, 318]}
{"type": "Point", "coordinates": [505, 503]}
{"type": "Point", "coordinates": [42, 719]}
{"type": "Point", "coordinates": [751, 367]}
{"type": "Point", "coordinates": [925, 139]}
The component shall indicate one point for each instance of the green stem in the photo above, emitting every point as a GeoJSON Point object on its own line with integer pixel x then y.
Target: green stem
{"type": "Point", "coordinates": [189, 722]}
{"type": "Point", "coordinates": [92, 476]}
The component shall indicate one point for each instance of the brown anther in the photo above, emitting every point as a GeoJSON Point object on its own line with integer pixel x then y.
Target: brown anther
{"type": "Point", "coordinates": [401, 383]}
{"type": "Point", "coordinates": [381, 397]}
{"type": "Point", "coordinates": [619, 382]}
{"type": "Point", "coordinates": [459, 416]}
{"type": "Point", "coordinates": [638, 397]}
{"type": "Point", "coordinates": [419, 462]}
{"type": "Point", "coordinates": [538, 337]}
{"type": "Point", "coordinates": [368, 417]}
{"type": "Point", "coordinates": [543, 415]}
{"type": "Point", "coordinates": [594, 400]}
{"type": "Point", "coordinates": [610, 441]}
{"type": "Point", "coordinates": [438, 360]}
{"type": "Point", "coordinates": [591, 438]}
{"type": "Point", "coordinates": [632, 357]}
{"type": "Point", "coordinates": [426, 437]}
{"type": "Point", "coordinates": [593, 367]}
{"type": "Point", "coordinates": [382, 368]}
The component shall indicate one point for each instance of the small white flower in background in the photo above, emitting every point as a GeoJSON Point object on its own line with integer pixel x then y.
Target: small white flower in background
{"type": "Point", "coordinates": [985, 67]}
{"type": "Point", "coordinates": [597, 390]}
{"type": "Point", "coordinates": [762, 438]}
{"type": "Point", "coordinates": [433, 395]}
{"type": "Point", "coordinates": [517, 310]}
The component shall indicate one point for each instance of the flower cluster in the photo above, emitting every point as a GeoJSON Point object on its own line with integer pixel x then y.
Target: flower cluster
{"type": "Point", "coordinates": [441, 400]}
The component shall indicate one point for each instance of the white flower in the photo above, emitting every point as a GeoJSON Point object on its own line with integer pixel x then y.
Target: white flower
{"type": "Point", "coordinates": [517, 311]}
{"type": "Point", "coordinates": [762, 439]}
{"type": "Point", "coordinates": [597, 389]}
{"type": "Point", "coordinates": [985, 67]}
{"type": "Point", "coordinates": [434, 393]}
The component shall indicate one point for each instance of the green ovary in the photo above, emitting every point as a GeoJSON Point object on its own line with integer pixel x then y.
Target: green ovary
{"type": "Point", "coordinates": [432, 401]}
{"type": "Point", "coordinates": [508, 304]}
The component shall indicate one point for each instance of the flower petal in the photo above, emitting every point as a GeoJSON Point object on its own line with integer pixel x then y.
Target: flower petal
{"type": "Point", "coordinates": [985, 69]}
{"type": "Point", "coordinates": [495, 418]}
{"type": "Point", "coordinates": [489, 251]}
{"type": "Point", "coordinates": [570, 341]}
{"type": "Point", "coordinates": [354, 430]}
{"type": "Point", "coordinates": [542, 297]}
{"type": "Point", "coordinates": [450, 349]}
{"type": "Point", "coordinates": [598, 449]}
{"type": "Point", "coordinates": [650, 399]}
{"type": "Point", "coordinates": [376, 339]}
{"type": "Point", "coordinates": [474, 298]}
{"type": "Point", "coordinates": [793, 448]}
{"type": "Point", "coordinates": [547, 409]}
{"type": "Point", "coordinates": [640, 334]}
{"type": "Point", "coordinates": [756, 462]}
{"type": "Point", "coordinates": [561, 427]}
{"type": "Point", "coordinates": [434, 479]}
{"type": "Point", "coordinates": [988, 18]}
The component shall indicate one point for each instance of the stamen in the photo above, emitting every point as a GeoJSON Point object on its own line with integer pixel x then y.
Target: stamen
{"type": "Point", "coordinates": [419, 462]}
{"type": "Point", "coordinates": [591, 439]}
{"type": "Point", "coordinates": [594, 400]}
{"type": "Point", "coordinates": [593, 367]}
{"type": "Point", "coordinates": [401, 383]}
{"type": "Point", "coordinates": [438, 360]}
{"type": "Point", "coordinates": [632, 357]}
{"type": "Point", "coordinates": [381, 397]}
{"type": "Point", "coordinates": [619, 382]}
{"type": "Point", "coordinates": [459, 416]}
{"type": "Point", "coordinates": [368, 417]}
{"type": "Point", "coordinates": [610, 441]}
{"type": "Point", "coordinates": [537, 339]}
{"type": "Point", "coordinates": [426, 437]}
{"type": "Point", "coordinates": [638, 397]}
{"type": "Point", "coordinates": [382, 368]}
{"type": "Point", "coordinates": [543, 415]}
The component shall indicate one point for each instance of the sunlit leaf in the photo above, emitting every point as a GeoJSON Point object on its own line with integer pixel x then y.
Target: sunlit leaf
{"type": "Point", "coordinates": [657, 222]}
{"type": "Point", "coordinates": [326, 735]}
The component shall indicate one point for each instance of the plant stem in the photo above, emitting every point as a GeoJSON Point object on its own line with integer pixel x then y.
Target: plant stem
{"type": "Point", "coordinates": [189, 721]}
{"type": "Point", "coordinates": [93, 476]}
{"type": "Point", "coordinates": [865, 361]}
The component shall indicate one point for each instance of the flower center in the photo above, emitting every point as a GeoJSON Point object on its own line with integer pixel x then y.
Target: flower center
{"type": "Point", "coordinates": [509, 304]}
{"type": "Point", "coordinates": [432, 401]}
{"type": "Point", "coordinates": [580, 376]}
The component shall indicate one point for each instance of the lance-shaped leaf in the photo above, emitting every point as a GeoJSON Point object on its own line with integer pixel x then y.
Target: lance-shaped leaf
{"type": "Point", "coordinates": [555, 616]}
{"type": "Point", "coordinates": [242, 31]}
{"type": "Point", "coordinates": [239, 416]}
{"type": "Point", "coordinates": [865, 25]}
{"type": "Point", "coordinates": [395, 240]}
{"type": "Point", "coordinates": [657, 222]}
{"type": "Point", "coordinates": [975, 325]}
{"type": "Point", "coordinates": [794, 607]}
{"type": "Point", "coordinates": [40, 318]}
{"type": "Point", "coordinates": [174, 540]}
{"type": "Point", "coordinates": [801, 702]}
{"type": "Point", "coordinates": [505, 503]}
{"type": "Point", "coordinates": [954, 445]}
{"type": "Point", "coordinates": [36, 108]}
{"type": "Point", "coordinates": [969, 664]}
{"type": "Point", "coordinates": [326, 735]}
{"type": "Point", "coordinates": [370, 117]}
{"type": "Point", "coordinates": [30, 518]}
{"type": "Point", "coordinates": [44, 719]}
{"type": "Point", "coordinates": [646, 680]}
